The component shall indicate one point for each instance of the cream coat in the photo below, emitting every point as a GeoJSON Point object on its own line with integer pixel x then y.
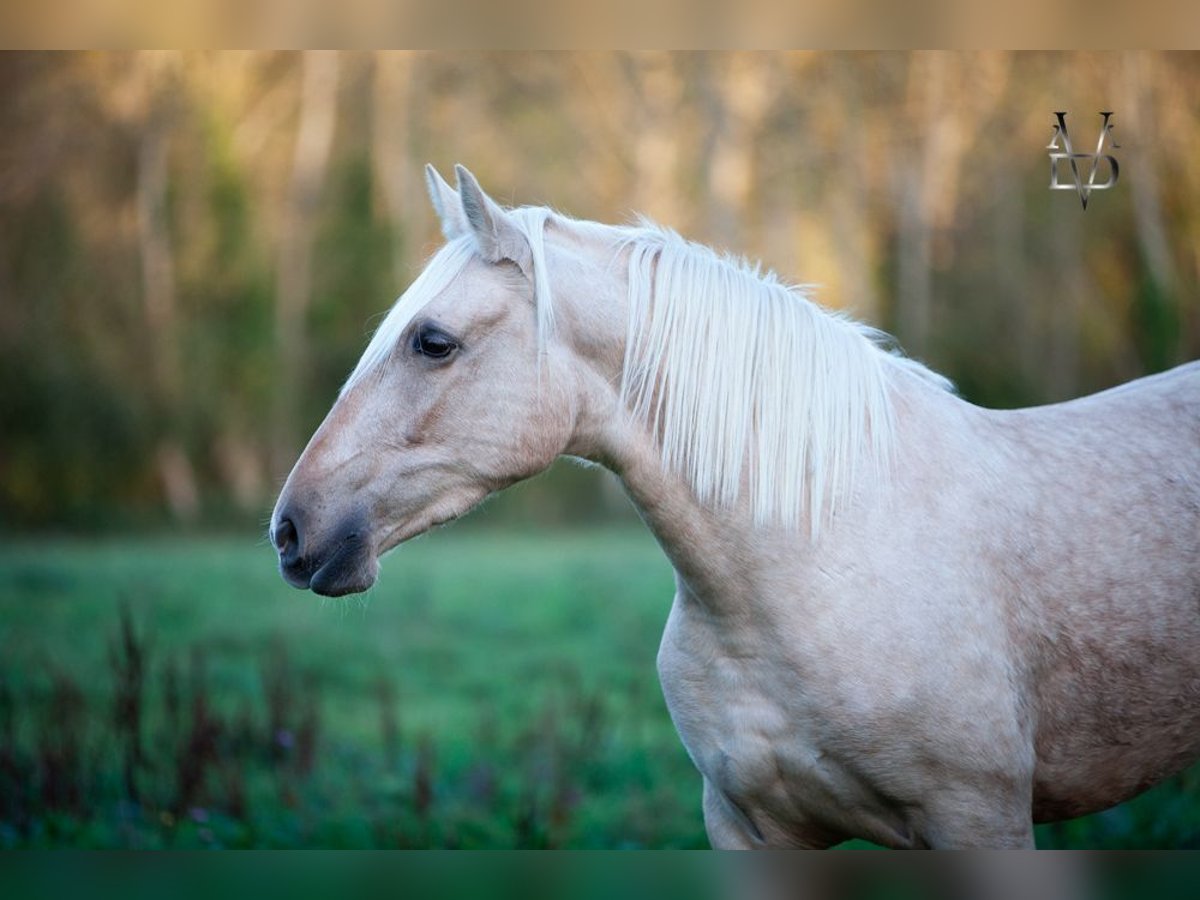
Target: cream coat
{"type": "Point", "coordinates": [1001, 627]}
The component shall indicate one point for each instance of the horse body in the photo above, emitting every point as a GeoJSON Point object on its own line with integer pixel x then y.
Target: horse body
{"type": "Point", "coordinates": [989, 618]}
{"type": "Point", "coordinates": [1112, 588]}
{"type": "Point", "coordinates": [1009, 632]}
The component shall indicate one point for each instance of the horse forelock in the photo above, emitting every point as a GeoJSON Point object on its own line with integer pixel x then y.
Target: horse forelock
{"type": "Point", "coordinates": [440, 271]}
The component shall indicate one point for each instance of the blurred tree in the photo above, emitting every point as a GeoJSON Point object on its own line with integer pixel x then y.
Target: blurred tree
{"type": "Point", "coordinates": [152, 76]}
{"type": "Point", "coordinates": [193, 246]}
{"type": "Point", "coordinates": [293, 285]}
{"type": "Point", "coordinates": [394, 169]}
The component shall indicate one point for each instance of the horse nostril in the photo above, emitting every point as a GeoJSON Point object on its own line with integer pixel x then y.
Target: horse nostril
{"type": "Point", "coordinates": [287, 540]}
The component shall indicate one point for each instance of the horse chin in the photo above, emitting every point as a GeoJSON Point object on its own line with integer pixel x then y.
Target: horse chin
{"type": "Point", "coordinates": [339, 586]}
{"type": "Point", "coordinates": [351, 570]}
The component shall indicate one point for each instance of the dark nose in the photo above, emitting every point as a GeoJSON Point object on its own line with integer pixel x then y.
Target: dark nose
{"type": "Point", "coordinates": [287, 541]}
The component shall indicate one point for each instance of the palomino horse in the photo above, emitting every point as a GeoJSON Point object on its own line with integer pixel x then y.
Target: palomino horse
{"type": "Point", "coordinates": [898, 616]}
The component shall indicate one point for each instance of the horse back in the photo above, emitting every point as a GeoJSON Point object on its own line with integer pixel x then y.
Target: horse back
{"type": "Point", "coordinates": [1102, 574]}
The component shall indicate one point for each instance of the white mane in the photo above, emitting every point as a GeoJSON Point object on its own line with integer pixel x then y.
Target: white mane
{"type": "Point", "coordinates": [752, 389]}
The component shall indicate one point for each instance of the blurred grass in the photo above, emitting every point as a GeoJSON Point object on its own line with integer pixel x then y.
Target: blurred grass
{"type": "Point", "coordinates": [501, 650]}
{"type": "Point", "coordinates": [494, 689]}
{"type": "Point", "coordinates": [453, 618]}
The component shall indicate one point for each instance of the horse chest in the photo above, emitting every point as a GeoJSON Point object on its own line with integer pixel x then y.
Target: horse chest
{"type": "Point", "coordinates": [772, 741]}
{"type": "Point", "coordinates": [745, 735]}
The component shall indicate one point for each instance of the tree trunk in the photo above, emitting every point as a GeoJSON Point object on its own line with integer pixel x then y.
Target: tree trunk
{"type": "Point", "coordinates": [659, 91]}
{"type": "Point", "coordinates": [391, 155]}
{"type": "Point", "coordinates": [741, 90]}
{"type": "Point", "coordinates": [1163, 334]}
{"type": "Point", "coordinates": [1020, 303]}
{"type": "Point", "coordinates": [951, 99]}
{"type": "Point", "coordinates": [916, 196]}
{"type": "Point", "coordinates": [293, 284]}
{"type": "Point", "coordinates": [175, 470]}
{"type": "Point", "coordinates": [1071, 291]}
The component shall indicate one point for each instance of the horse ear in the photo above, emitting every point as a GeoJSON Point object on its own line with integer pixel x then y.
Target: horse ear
{"type": "Point", "coordinates": [446, 204]}
{"type": "Point", "coordinates": [495, 232]}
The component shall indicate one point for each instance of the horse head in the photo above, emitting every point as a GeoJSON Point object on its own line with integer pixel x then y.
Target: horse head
{"type": "Point", "coordinates": [459, 394]}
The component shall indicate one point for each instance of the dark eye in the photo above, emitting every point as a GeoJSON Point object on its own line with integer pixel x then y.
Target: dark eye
{"type": "Point", "coordinates": [433, 342]}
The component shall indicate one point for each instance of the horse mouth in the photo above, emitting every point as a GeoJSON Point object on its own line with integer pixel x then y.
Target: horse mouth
{"type": "Point", "coordinates": [350, 569]}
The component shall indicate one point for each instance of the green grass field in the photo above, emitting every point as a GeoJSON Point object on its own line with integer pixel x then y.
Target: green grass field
{"type": "Point", "coordinates": [496, 689]}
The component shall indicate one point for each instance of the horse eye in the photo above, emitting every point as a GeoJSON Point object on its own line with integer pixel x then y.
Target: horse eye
{"type": "Point", "coordinates": [430, 342]}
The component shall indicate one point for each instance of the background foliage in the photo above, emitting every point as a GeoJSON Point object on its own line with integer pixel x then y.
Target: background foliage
{"type": "Point", "coordinates": [193, 246]}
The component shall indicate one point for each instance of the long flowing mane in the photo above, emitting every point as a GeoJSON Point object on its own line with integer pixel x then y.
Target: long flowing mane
{"type": "Point", "coordinates": [753, 390]}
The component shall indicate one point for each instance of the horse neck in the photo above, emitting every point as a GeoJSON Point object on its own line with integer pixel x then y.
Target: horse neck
{"type": "Point", "coordinates": [713, 549]}
{"type": "Point", "coordinates": [706, 546]}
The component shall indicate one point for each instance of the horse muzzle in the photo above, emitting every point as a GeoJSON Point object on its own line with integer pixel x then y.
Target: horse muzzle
{"type": "Point", "coordinates": [343, 563]}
